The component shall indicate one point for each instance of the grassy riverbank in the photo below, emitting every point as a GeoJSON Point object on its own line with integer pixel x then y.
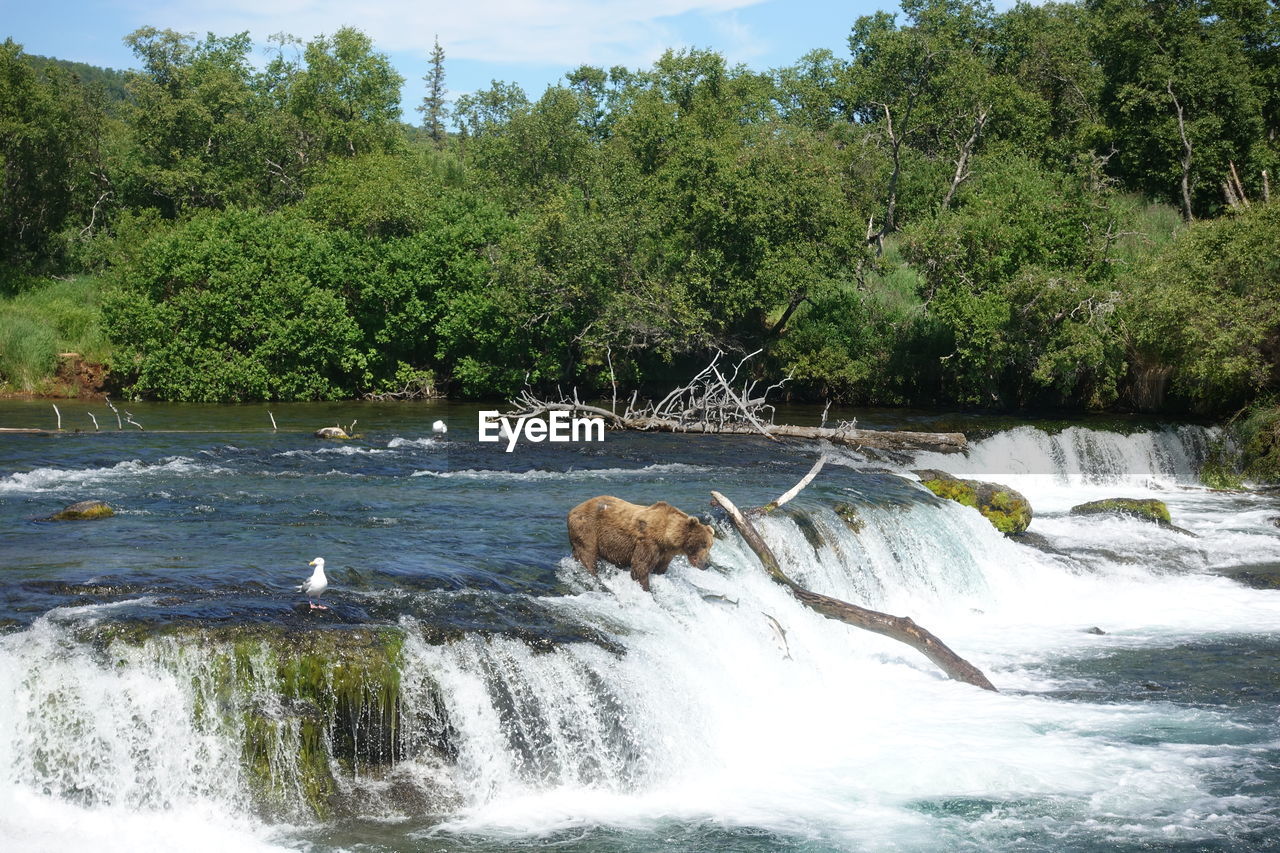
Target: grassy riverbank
{"type": "Point", "coordinates": [42, 317]}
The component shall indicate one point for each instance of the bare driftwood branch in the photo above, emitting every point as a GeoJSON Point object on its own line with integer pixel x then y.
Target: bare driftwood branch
{"type": "Point", "coordinates": [710, 403]}
{"type": "Point", "coordinates": [900, 628]}
{"type": "Point", "coordinates": [111, 406]}
{"type": "Point", "coordinates": [420, 387]}
{"type": "Point", "coordinates": [795, 490]}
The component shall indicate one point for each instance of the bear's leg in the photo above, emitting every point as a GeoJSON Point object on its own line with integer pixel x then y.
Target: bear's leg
{"type": "Point", "coordinates": [583, 538]}
{"type": "Point", "coordinates": [643, 559]}
{"type": "Point", "coordinates": [586, 554]}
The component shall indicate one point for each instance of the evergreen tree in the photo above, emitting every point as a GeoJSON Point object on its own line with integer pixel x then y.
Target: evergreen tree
{"type": "Point", "coordinates": [433, 107]}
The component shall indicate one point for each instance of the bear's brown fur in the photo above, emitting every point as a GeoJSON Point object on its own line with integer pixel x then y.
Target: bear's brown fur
{"type": "Point", "coordinates": [641, 538]}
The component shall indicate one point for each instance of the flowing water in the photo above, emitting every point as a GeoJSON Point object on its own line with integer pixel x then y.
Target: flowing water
{"type": "Point", "coordinates": [471, 688]}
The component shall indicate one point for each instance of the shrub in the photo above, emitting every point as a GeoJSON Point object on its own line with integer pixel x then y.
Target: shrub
{"type": "Point", "coordinates": [234, 306]}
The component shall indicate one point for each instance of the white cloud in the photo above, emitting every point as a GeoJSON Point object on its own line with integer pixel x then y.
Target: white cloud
{"type": "Point", "coordinates": [599, 32]}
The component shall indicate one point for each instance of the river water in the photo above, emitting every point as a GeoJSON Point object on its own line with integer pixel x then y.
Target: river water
{"type": "Point", "coordinates": [534, 706]}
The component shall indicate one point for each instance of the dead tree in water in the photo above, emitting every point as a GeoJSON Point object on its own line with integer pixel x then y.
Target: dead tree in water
{"type": "Point", "coordinates": [900, 628]}
{"type": "Point", "coordinates": [718, 402]}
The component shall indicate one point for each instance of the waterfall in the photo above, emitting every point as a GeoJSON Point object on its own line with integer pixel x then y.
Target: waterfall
{"type": "Point", "coordinates": [717, 699]}
{"type": "Point", "coordinates": [1085, 456]}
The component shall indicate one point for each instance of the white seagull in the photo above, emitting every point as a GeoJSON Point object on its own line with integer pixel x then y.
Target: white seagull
{"type": "Point", "coordinates": [316, 584]}
{"type": "Point", "coordinates": [439, 428]}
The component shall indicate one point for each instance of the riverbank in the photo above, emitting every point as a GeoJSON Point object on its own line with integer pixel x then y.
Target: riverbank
{"type": "Point", "coordinates": [52, 344]}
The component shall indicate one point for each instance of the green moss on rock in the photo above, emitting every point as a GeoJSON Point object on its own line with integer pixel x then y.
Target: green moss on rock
{"type": "Point", "coordinates": [309, 707]}
{"type": "Point", "coordinates": [1006, 508]}
{"type": "Point", "coordinates": [1147, 509]}
{"type": "Point", "coordinates": [84, 511]}
{"type": "Point", "coordinates": [849, 514]}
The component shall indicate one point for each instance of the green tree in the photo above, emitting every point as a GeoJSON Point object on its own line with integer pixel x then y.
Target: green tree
{"type": "Point", "coordinates": [1045, 48]}
{"type": "Point", "coordinates": [926, 86]}
{"type": "Point", "coordinates": [433, 106]}
{"type": "Point", "coordinates": [489, 110]}
{"type": "Point", "coordinates": [192, 118]}
{"type": "Point", "coordinates": [1184, 95]}
{"type": "Point", "coordinates": [1208, 310]}
{"type": "Point", "coordinates": [234, 306]}
{"type": "Point", "coordinates": [51, 174]}
{"type": "Point", "coordinates": [346, 100]}
{"type": "Point", "coordinates": [1018, 286]}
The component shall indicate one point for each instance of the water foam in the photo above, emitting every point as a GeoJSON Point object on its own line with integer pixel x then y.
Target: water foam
{"type": "Point", "coordinates": [58, 479]}
{"type": "Point", "coordinates": [715, 715]}
{"type": "Point", "coordinates": [534, 474]}
{"type": "Point", "coordinates": [426, 443]}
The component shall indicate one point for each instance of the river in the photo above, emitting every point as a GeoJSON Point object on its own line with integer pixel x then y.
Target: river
{"type": "Point", "coordinates": [470, 688]}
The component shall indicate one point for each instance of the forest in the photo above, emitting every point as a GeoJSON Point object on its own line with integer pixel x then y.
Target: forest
{"type": "Point", "coordinates": [1062, 206]}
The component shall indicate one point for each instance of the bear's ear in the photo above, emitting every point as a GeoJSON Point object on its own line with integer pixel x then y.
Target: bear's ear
{"type": "Point", "coordinates": [641, 524]}
{"type": "Point", "coordinates": [693, 523]}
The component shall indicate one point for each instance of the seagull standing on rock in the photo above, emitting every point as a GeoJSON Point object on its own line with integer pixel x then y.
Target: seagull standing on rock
{"type": "Point", "coordinates": [316, 584]}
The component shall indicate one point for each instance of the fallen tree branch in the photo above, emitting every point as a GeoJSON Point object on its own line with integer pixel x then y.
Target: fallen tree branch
{"type": "Point", "coordinates": [709, 403]}
{"type": "Point", "coordinates": [900, 628]}
{"type": "Point", "coordinates": [794, 490]}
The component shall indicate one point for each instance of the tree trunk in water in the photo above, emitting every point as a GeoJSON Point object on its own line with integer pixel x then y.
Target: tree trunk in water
{"type": "Point", "coordinates": [900, 628]}
{"type": "Point", "coordinates": [904, 441]}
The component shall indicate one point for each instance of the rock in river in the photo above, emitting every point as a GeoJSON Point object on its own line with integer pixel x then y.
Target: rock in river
{"type": "Point", "coordinates": [1006, 509]}
{"type": "Point", "coordinates": [84, 511]}
{"type": "Point", "coordinates": [1146, 509]}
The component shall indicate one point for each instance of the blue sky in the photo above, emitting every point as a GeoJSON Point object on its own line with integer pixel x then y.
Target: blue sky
{"type": "Point", "coordinates": [529, 42]}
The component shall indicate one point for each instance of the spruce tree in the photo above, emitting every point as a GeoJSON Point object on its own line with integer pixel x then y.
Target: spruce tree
{"type": "Point", "coordinates": [433, 105]}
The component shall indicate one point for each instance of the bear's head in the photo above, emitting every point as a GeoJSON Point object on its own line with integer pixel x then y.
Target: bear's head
{"type": "Point", "coordinates": [697, 542]}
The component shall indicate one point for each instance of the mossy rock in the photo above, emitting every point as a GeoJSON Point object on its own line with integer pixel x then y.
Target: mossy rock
{"type": "Point", "coordinates": [84, 511]}
{"type": "Point", "coordinates": [1147, 509]}
{"type": "Point", "coordinates": [849, 514]}
{"type": "Point", "coordinates": [312, 707]}
{"type": "Point", "coordinates": [808, 528]}
{"type": "Point", "coordinates": [1006, 508]}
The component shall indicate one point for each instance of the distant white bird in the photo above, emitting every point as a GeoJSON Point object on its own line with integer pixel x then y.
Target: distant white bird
{"type": "Point", "coordinates": [316, 584]}
{"type": "Point", "coordinates": [439, 428]}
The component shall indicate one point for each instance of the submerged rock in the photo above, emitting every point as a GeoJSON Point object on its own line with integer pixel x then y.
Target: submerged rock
{"type": "Point", "coordinates": [84, 511]}
{"type": "Point", "coordinates": [849, 515]}
{"type": "Point", "coordinates": [331, 432]}
{"type": "Point", "coordinates": [807, 528]}
{"type": "Point", "coordinates": [1261, 576]}
{"type": "Point", "coordinates": [1006, 508]}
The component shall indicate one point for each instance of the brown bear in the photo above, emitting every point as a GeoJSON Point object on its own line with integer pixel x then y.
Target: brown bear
{"type": "Point", "coordinates": [642, 538]}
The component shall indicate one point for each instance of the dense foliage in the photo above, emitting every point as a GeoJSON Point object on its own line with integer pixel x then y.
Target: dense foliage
{"type": "Point", "coordinates": [1060, 205]}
